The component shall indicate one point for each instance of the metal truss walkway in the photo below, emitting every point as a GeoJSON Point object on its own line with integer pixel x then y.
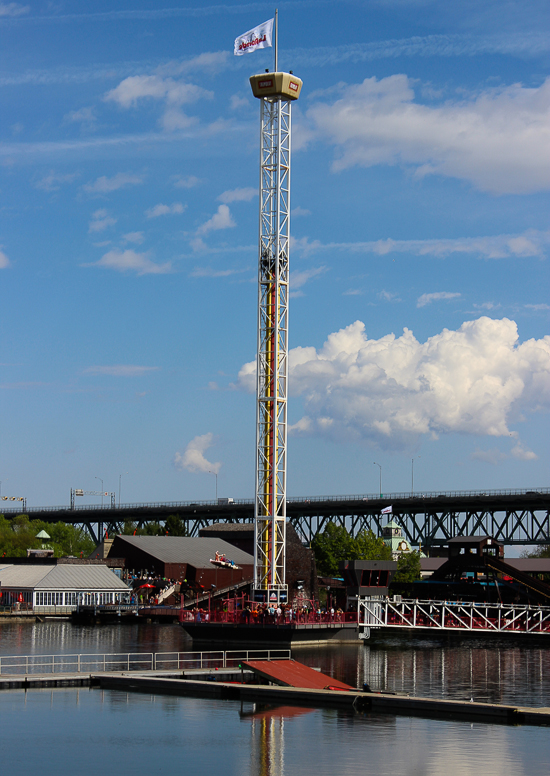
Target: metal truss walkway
{"type": "Point", "coordinates": [427, 519]}
{"type": "Point", "coordinates": [422, 616]}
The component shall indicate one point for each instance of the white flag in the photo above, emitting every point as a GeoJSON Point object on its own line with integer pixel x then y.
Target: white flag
{"type": "Point", "coordinates": [386, 511]}
{"type": "Point", "coordinates": [258, 38]}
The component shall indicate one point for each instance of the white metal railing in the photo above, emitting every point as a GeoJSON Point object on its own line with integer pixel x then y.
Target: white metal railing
{"type": "Point", "coordinates": [453, 616]}
{"type": "Point", "coordinates": [134, 661]}
{"type": "Point", "coordinates": [295, 499]}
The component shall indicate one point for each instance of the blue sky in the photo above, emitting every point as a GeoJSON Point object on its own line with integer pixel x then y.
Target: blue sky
{"type": "Point", "coordinates": [129, 152]}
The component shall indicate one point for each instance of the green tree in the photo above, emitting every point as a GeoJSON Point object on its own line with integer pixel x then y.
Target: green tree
{"type": "Point", "coordinates": [408, 570]}
{"type": "Point", "coordinates": [331, 546]}
{"type": "Point", "coordinates": [19, 535]}
{"type": "Point", "coordinates": [542, 551]}
{"type": "Point", "coordinates": [174, 526]}
{"type": "Point", "coordinates": [371, 547]}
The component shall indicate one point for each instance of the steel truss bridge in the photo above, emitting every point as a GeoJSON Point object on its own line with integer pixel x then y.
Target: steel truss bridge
{"type": "Point", "coordinates": [427, 519]}
{"type": "Point", "coordinates": [402, 614]}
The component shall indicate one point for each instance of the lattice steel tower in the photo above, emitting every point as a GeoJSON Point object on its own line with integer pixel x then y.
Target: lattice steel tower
{"type": "Point", "coordinates": [276, 91]}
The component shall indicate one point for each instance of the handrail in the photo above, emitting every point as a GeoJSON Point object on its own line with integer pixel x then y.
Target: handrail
{"type": "Point", "coordinates": [382, 498]}
{"type": "Point", "coordinates": [134, 661]}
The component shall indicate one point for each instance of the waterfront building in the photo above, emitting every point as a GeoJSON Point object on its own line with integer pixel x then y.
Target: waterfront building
{"type": "Point", "coordinates": [42, 586]}
{"type": "Point", "coordinates": [184, 559]}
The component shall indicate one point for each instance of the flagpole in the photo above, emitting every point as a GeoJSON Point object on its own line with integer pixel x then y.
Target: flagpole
{"type": "Point", "coordinates": [276, 40]}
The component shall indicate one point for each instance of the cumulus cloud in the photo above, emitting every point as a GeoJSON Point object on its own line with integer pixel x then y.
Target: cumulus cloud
{"type": "Point", "coordinates": [238, 195]}
{"type": "Point", "coordinates": [101, 220]}
{"type": "Point", "coordinates": [131, 261]}
{"type": "Point", "coordinates": [522, 453]}
{"type": "Point", "coordinates": [173, 93]}
{"type": "Point", "coordinates": [222, 219]}
{"type": "Point", "coordinates": [105, 185]}
{"type": "Point", "coordinates": [120, 370]}
{"type": "Point", "coordinates": [498, 139]}
{"type": "Point", "coordinates": [165, 210]}
{"type": "Point", "coordinates": [193, 458]}
{"type": "Point", "coordinates": [474, 380]}
{"type": "Point", "coordinates": [4, 261]}
{"type": "Point", "coordinates": [139, 87]}
{"type": "Point", "coordinates": [425, 299]}
{"type": "Point", "coordinates": [54, 181]}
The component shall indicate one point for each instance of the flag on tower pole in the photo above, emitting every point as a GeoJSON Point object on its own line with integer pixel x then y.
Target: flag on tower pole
{"type": "Point", "coordinates": [258, 38]}
{"type": "Point", "coordinates": [386, 511]}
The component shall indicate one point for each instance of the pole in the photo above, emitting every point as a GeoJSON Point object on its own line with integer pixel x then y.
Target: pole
{"type": "Point", "coordinates": [377, 464]}
{"type": "Point", "coordinates": [412, 474]}
{"type": "Point", "coordinates": [102, 488]}
{"type": "Point", "coordinates": [216, 476]}
{"type": "Point", "coordinates": [276, 40]}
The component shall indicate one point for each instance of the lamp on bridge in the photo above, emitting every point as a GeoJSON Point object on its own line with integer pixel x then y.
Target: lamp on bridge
{"type": "Point", "coordinates": [379, 466]}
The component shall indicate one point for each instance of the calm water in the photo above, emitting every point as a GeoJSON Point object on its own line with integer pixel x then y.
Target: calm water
{"type": "Point", "coordinates": [86, 731]}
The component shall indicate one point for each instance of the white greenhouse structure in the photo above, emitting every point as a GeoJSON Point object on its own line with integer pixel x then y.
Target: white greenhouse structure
{"type": "Point", "coordinates": [43, 588]}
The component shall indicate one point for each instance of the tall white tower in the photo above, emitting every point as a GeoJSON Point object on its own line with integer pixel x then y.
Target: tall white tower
{"type": "Point", "coordinates": [276, 91]}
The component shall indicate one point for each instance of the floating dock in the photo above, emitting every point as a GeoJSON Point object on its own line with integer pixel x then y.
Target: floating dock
{"type": "Point", "coordinates": [225, 684]}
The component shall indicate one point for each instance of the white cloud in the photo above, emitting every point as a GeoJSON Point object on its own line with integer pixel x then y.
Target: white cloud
{"type": "Point", "coordinates": [209, 272]}
{"type": "Point", "coordinates": [299, 279]}
{"type": "Point", "coordinates": [134, 237]}
{"type": "Point", "coordinates": [475, 380]}
{"type": "Point", "coordinates": [4, 261]}
{"type": "Point", "coordinates": [522, 453]}
{"type": "Point", "coordinates": [120, 370]}
{"type": "Point", "coordinates": [238, 195]}
{"type": "Point", "coordinates": [222, 219]}
{"type": "Point", "coordinates": [139, 87]}
{"type": "Point", "coordinates": [388, 296]}
{"type": "Point", "coordinates": [13, 9]}
{"type": "Point", "coordinates": [300, 211]}
{"type": "Point", "coordinates": [532, 243]}
{"type": "Point", "coordinates": [185, 183]}
{"type": "Point", "coordinates": [101, 220]}
{"type": "Point", "coordinates": [165, 210]}
{"type": "Point", "coordinates": [104, 185]}
{"type": "Point", "coordinates": [498, 140]}
{"type": "Point", "coordinates": [425, 299]}
{"type": "Point", "coordinates": [193, 458]}
{"type": "Point", "coordinates": [54, 181]}
{"type": "Point", "coordinates": [173, 93]}
{"type": "Point", "coordinates": [84, 116]}
{"type": "Point", "coordinates": [353, 292]}
{"type": "Point", "coordinates": [131, 261]}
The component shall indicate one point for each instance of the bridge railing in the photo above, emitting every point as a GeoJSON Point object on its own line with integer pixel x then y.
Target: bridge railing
{"type": "Point", "coordinates": [408, 614]}
{"type": "Point", "coordinates": [134, 661]}
{"type": "Point", "coordinates": [384, 497]}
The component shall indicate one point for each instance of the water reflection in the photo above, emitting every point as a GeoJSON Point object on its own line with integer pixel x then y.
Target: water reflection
{"type": "Point", "coordinates": [490, 671]}
{"type": "Point", "coordinates": [498, 671]}
{"type": "Point", "coordinates": [80, 731]}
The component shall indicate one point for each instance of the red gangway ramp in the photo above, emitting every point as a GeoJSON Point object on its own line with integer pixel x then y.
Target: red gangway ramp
{"type": "Point", "coordinates": [290, 673]}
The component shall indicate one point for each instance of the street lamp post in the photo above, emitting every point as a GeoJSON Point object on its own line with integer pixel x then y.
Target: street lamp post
{"type": "Point", "coordinates": [216, 476]}
{"type": "Point", "coordinates": [377, 464]}
{"type": "Point", "coordinates": [119, 480]}
{"type": "Point", "coordinates": [412, 472]}
{"type": "Point", "coordinates": [102, 488]}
